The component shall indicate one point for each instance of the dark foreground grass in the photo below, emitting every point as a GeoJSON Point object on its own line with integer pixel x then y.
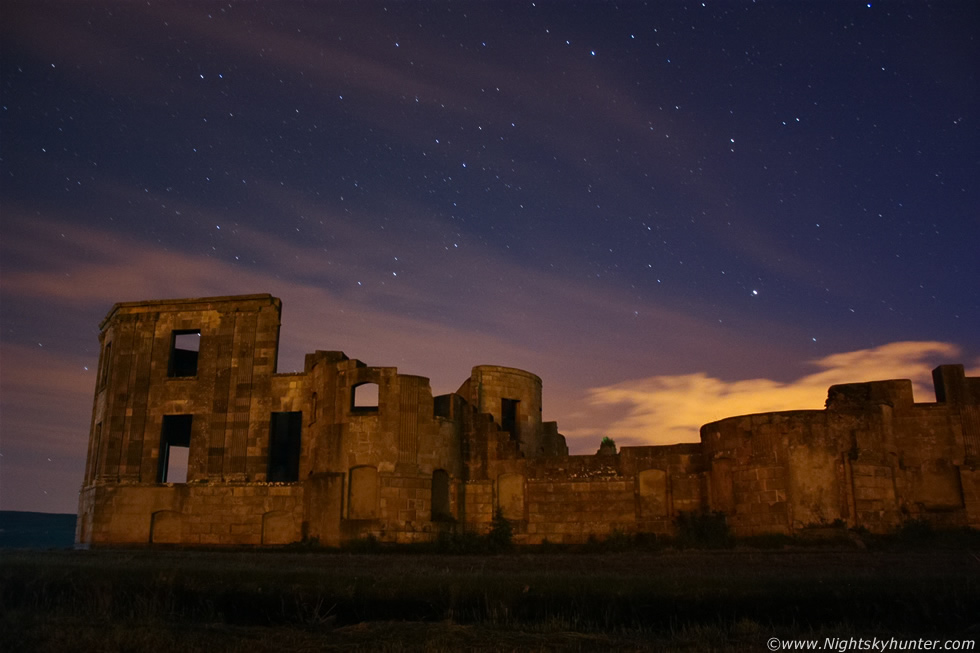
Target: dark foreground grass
{"type": "Point", "coordinates": [730, 600]}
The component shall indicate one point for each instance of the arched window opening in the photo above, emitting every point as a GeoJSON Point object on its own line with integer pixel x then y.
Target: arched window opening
{"type": "Point", "coordinates": [364, 397]}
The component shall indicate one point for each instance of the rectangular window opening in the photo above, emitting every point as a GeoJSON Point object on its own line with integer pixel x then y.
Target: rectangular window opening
{"type": "Point", "coordinates": [106, 358]}
{"type": "Point", "coordinates": [93, 460]}
{"type": "Point", "coordinates": [441, 507]}
{"type": "Point", "coordinates": [175, 442]}
{"type": "Point", "coordinates": [185, 346]}
{"type": "Point", "coordinates": [285, 447]}
{"type": "Point", "coordinates": [508, 417]}
{"type": "Point", "coordinates": [313, 407]}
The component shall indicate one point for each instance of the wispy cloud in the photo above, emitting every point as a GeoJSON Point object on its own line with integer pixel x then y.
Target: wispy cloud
{"type": "Point", "coordinates": [445, 303]}
{"type": "Point", "coordinates": [45, 404]}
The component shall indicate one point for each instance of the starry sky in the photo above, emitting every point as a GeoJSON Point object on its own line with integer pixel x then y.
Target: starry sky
{"type": "Point", "coordinates": [672, 212]}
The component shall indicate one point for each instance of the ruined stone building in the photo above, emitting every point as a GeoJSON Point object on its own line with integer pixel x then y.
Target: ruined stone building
{"type": "Point", "coordinates": [342, 450]}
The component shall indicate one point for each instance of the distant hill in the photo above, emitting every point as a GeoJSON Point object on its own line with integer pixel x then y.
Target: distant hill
{"type": "Point", "coordinates": [36, 530]}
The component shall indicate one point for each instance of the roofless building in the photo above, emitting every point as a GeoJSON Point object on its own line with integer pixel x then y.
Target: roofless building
{"type": "Point", "coordinates": [196, 440]}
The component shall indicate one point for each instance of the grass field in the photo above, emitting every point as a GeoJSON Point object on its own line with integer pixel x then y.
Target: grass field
{"type": "Point", "coordinates": [727, 600]}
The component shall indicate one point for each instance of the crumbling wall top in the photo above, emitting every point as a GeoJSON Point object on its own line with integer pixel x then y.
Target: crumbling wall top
{"type": "Point", "coordinates": [954, 386]}
{"type": "Point", "coordinates": [328, 357]}
{"type": "Point", "coordinates": [861, 396]}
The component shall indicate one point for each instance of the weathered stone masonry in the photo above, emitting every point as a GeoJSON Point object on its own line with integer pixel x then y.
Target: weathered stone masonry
{"type": "Point", "coordinates": [342, 450]}
{"type": "Point", "coordinates": [872, 458]}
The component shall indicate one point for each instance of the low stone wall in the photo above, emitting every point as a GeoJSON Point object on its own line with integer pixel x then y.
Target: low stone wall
{"type": "Point", "coordinates": [198, 514]}
{"type": "Point", "coordinates": [571, 511]}
{"type": "Point", "coordinates": [568, 499]}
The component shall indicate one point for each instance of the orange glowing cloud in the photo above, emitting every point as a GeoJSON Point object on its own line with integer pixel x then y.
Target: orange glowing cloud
{"type": "Point", "coordinates": [671, 409]}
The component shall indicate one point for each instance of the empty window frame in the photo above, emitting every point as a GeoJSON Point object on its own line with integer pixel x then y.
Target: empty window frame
{"type": "Point", "coordinates": [509, 417]}
{"type": "Point", "coordinates": [364, 398]}
{"type": "Point", "coordinates": [441, 510]}
{"type": "Point", "coordinates": [185, 346]}
{"type": "Point", "coordinates": [284, 447]}
{"type": "Point", "coordinates": [175, 442]}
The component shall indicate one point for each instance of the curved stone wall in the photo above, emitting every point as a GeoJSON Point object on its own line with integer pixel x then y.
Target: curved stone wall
{"type": "Point", "coordinates": [513, 397]}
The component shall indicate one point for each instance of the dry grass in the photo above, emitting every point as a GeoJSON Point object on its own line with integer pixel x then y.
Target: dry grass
{"type": "Point", "coordinates": [728, 600]}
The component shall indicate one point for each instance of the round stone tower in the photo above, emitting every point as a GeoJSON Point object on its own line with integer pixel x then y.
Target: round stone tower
{"type": "Point", "coordinates": [513, 397]}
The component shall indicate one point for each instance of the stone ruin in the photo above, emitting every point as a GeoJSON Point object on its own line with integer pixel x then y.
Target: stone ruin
{"type": "Point", "coordinates": [196, 440]}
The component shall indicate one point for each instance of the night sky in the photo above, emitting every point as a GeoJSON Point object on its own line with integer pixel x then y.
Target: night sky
{"type": "Point", "coordinates": [672, 212]}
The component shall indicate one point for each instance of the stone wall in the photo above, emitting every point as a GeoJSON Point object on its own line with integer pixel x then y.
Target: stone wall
{"type": "Point", "coordinates": [574, 498]}
{"type": "Point", "coordinates": [572, 511]}
{"type": "Point", "coordinates": [344, 450]}
{"type": "Point", "coordinates": [873, 459]}
{"type": "Point", "coordinates": [196, 514]}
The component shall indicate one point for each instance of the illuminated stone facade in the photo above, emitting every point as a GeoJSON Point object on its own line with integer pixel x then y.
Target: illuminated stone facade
{"type": "Point", "coordinates": [196, 440]}
{"type": "Point", "coordinates": [873, 458]}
